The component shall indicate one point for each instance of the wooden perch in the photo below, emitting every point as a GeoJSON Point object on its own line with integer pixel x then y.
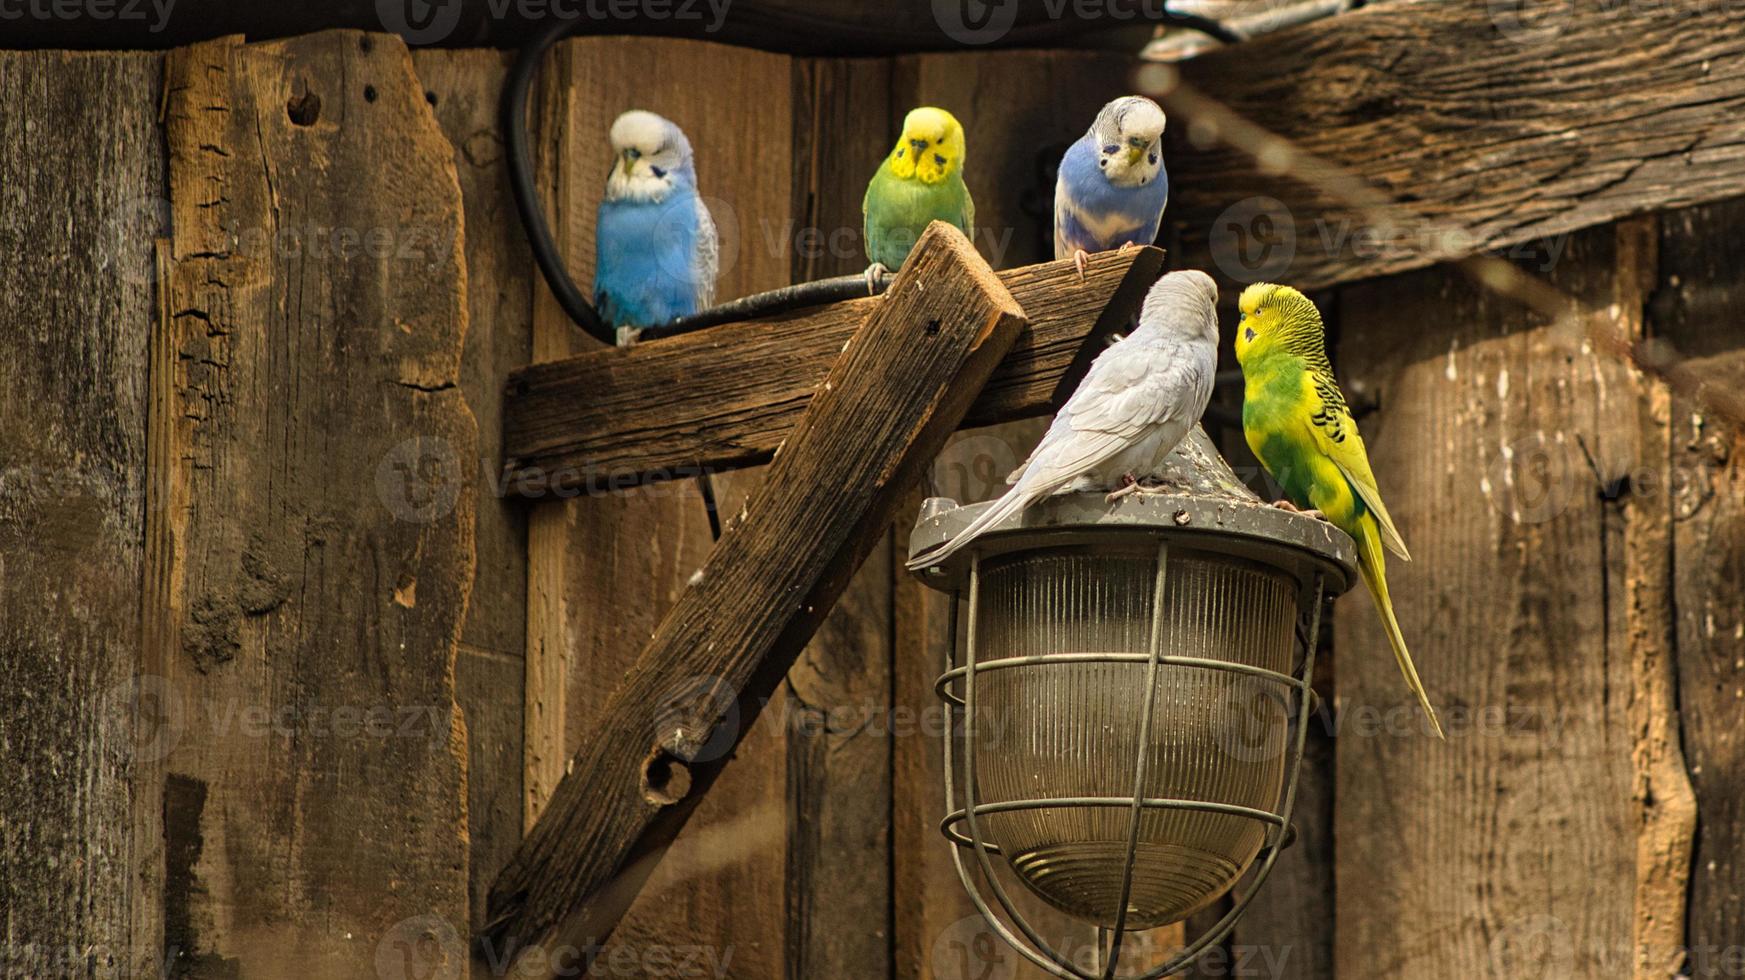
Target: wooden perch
{"type": "Point", "coordinates": [727, 396]}
{"type": "Point", "coordinates": [903, 384]}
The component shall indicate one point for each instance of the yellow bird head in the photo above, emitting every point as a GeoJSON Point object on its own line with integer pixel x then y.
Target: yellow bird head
{"type": "Point", "coordinates": [931, 147]}
{"type": "Point", "coordinates": [1275, 318]}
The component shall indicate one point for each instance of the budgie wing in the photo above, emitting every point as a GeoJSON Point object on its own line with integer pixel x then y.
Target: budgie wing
{"type": "Point", "coordinates": [969, 214]}
{"type": "Point", "coordinates": [1126, 395]}
{"type": "Point", "coordinates": [708, 257]}
{"type": "Point", "coordinates": [1336, 436]}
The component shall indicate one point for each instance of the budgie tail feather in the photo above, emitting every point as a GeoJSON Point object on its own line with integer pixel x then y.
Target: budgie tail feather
{"type": "Point", "coordinates": [1370, 564]}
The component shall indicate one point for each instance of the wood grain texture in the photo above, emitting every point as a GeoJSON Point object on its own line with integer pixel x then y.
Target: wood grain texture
{"type": "Point", "coordinates": [609, 569]}
{"type": "Point", "coordinates": [312, 570]}
{"type": "Point", "coordinates": [1701, 252]}
{"type": "Point", "coordinates": [731, 394]}
{"type": "Point", "coordinates": [463, 88]}
{"type": "Point", "coordinates": [81, 163]}
{"type": "Point", "coordinates": [841, 723]}
{"type": "Point", "coordinates": [1508, 124]}
{"type": "Point", "coordinates": [1666, 806]}
{"type": "Point", "coordinates": [1510, 849]}
{"type": "Point", "coordinates": [1013, 148]}
{"type": "Point", "coordinates": [902, 386]}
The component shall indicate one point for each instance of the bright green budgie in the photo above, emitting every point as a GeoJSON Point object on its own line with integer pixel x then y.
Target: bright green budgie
{"type": "Point", "coordinates": [921, 181]}
{"type": "Point", "coordinates": [1296, 422]}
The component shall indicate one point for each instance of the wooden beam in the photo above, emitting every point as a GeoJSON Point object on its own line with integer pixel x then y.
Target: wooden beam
{"type": "Point", "coordinates": [903, 384]}
{"type": "Point", "coordinates": [1509, 125]}
{"type": "Point", "coordinates": [727, 396]}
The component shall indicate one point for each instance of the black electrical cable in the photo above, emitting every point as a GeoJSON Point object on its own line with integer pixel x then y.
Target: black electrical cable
{"type": "Point", "coordinates": [527, 204]}
{"type": "Point", "coordinates": [576, 305]}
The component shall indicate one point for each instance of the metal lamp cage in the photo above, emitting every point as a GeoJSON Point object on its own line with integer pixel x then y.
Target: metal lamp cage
{"type": "Point", "coordinates": [1069, 595]}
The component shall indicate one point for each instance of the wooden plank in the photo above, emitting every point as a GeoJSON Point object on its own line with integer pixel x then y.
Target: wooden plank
{"type": "Point", "coordinates": [316, 310]}
{"type": "Point", "coordinates": [1012, 149]}
{"type": "Point", "coordinates": [1287, 931]}
{"type": "Point", "coordinates": [464, 87]}
{"type": "Point", "coordinates": [902, 386]}
{"type": "Point", "coordinates": [1508, 124]}
{"type": "Point", "coordinates": [610, 568]}
{"type": "Point", "coordinates": [1512, 848]}
{"type": "Point", "coordinates": [839, 719]}
{"type": "Point", "coordinates": [1665, 804]}
{"type": "Point", "coordinates": [82, 163]}
{"type": "Point", "coordinates": [1700, 255]}
{"type": "Point", "coordinates": [731, 394]}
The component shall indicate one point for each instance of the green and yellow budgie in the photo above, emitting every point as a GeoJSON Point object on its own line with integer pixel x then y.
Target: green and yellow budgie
{"type": "Point", "coordinates": [1295, 419]}
{"type": "Point", "coordinates": [920, 182]}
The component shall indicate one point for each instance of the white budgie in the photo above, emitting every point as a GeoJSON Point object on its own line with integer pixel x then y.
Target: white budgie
{"type": "Point", "coordinates": [1141, 397]}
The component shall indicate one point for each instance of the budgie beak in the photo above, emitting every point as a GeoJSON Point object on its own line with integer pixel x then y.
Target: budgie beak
{"type": "Point", "coordinates": [1133, 154]}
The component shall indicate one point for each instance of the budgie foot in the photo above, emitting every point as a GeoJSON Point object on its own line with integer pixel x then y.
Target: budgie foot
{"type": "Point", "coordinates": [1293, 508]}
{"type": "Point", "coordinates": [1126, 247]}
{"type": "Point", "coordinates": [874, 273]}
{"type": "Point", "coordinates": [1129, 484]}
{"type": "Point", "coordinates": [1080, 259]}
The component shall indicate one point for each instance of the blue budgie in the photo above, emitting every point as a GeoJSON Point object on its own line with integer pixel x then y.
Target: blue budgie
{"type": "Point", "coordinates": [1112, 187]}
{"type": "Point", "coordinates": [656, 254]}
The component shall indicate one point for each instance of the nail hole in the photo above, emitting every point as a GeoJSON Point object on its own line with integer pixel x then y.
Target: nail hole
{"type": "Point", "coordinates": [369, 93]}
{"type": "Point", "coordinates": [932, 327]}
{"type": "Point", "coordinates": [665, 779]}
{"type": "Point", "coordinates": [430, 97]}
{"type": "Point", "coordinates": [365, 44]}
{"type": "Point", "coordinates": [304, 106]}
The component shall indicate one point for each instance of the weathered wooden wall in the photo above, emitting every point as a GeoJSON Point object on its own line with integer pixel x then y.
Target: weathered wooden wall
{"type": "Point", "coordinates": [247, 478]}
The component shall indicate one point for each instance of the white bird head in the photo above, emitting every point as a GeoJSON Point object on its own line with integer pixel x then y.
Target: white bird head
{"type": "Point", "coordinates": [1128, 135]}
{"type": "Point", "coordinates": [650, 157]}
{"type": "Point", "coordinates": [1183, 305]}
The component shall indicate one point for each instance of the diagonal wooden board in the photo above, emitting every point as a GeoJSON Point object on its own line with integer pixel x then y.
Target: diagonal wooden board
{"type": "Point", "coordinates": [728, 396]}
{"type": "Point", "coordinates": [900, 388]}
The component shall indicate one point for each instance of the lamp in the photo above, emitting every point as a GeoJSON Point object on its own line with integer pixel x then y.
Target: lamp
{"type": "Point", "coordinates": [1129, 767]}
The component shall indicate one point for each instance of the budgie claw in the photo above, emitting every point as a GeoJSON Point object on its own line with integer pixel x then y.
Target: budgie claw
{"type": "Point", "coordinates": [1080, 259]}
{"type": "Point", "coordinates": [1293, 508]}
{"type": "Point", "coordinates": [1129, 484]}
{"type": "Point", "coordinates": [874, 273]}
